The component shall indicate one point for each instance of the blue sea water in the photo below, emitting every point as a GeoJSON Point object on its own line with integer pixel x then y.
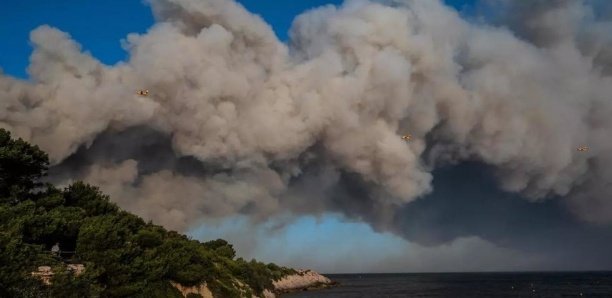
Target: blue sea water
{"type": "Point", "coordinates": [548, 284]}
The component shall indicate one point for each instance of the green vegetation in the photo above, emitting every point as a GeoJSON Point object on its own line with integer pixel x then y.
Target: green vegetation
{"type": "Point", "coordinates": [124, 256]}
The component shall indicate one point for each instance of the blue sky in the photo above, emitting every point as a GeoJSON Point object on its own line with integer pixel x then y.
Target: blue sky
{"type": "Point", "coordinates": [100, 25]}
{"type": "Point", "coordinates": [306, 242]}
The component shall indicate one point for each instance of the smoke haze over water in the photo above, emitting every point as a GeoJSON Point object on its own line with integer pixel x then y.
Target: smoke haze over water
{"type": "Point", "coordinates": [238, 123]}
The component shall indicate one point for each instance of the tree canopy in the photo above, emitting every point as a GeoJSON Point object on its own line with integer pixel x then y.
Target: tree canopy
{"type": "Point", "coordinates": [123, 255]}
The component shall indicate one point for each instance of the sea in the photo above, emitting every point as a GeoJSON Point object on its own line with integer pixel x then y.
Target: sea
{"type": "Point", "coordinates": [456, 285]}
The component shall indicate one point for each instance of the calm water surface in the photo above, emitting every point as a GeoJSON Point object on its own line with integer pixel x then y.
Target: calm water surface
{"type": "Point", "coordinates": [558, 284]}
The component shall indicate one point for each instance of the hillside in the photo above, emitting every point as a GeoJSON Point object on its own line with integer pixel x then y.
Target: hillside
{"type": "Point", "coordinates": [122, 255]}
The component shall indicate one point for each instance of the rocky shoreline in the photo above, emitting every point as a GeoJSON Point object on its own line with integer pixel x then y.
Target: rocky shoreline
{"type": "Point", "coordinates": [303, 280]}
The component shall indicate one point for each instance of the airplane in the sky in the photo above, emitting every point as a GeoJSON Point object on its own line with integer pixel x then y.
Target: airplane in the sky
{"type": "Point", "coordinates": [582, 148]}
{"type": "Point", "coordinates": [143, 92]}
{"type": "Point", "coordinates": [407, 137]}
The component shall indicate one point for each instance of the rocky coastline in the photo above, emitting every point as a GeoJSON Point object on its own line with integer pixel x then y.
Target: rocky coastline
{"type": "Point", "coordinates": [303, 280]}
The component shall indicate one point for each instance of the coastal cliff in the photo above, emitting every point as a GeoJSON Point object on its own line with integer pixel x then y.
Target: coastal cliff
{"type": "Point", "coordinates": [300, 281]}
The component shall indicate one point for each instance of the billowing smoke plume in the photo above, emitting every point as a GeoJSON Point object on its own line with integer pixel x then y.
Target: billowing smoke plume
{"type": "Point", "coordinates": [238, 122]}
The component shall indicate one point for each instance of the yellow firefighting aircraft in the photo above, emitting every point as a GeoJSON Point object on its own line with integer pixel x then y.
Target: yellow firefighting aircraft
{"type": "Point", "coordinates": [583, 148]}
{"type": "Point", "coordinates": [407, 137]}
{"type": "Point", "coordinates": [143, 92]}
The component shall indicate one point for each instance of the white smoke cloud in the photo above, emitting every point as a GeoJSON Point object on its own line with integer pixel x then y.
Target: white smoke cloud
{"type": "Point", "coordinates": [177, 202]}
{"type": "Point", "coordinates": [351, 82]}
